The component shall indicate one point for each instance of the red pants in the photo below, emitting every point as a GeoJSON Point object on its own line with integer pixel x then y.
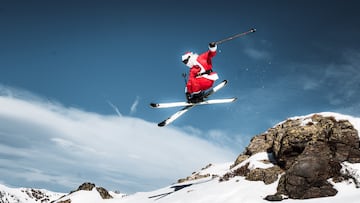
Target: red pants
{"type": "Point", "coordinates": [198, 84]}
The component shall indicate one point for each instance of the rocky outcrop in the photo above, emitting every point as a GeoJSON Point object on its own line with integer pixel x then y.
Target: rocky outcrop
{"type": "Point", "coordinates": [65, 201]}
{"type": "Point", "coordinates": [9, 195]}
{"type": "Point", "coordinates": [87, 187]}
{"type": "Point", "coordinates": [307, 151]}
{"type": "Point", "coordinates": [90, 186]}
{"type": "Point", "coordinates": [196, 175]}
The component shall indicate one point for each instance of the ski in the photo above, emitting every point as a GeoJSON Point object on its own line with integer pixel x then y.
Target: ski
{"type": "Point", "coordinates": [189, 106]}
{"type": "Point", "coordinates": [178, 104]}
{"type": "Point", "coordinates": [175, 116]}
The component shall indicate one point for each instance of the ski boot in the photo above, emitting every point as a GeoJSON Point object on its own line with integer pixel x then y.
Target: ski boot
{"type": "Point", "coordinates": [195, 97]}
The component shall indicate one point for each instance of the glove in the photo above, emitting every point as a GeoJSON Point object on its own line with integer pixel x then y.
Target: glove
{"type": "Point", "coordinates": [212, 44]}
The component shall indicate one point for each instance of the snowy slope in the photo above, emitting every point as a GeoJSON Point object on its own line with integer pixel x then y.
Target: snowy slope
{"type": "Point", "coordinates": [211, 190]}
{"type": "Point", "coordinates": [27, 195]}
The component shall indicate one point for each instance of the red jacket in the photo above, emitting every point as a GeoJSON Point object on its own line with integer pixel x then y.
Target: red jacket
{"type": "Point", "coordinates": [205, 60]}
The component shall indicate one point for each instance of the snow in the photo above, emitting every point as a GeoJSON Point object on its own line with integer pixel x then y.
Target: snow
{"type": "Point", "coordinates": [85, 196]}
{"type": "Point", "coordinates": [353, 170]}
{"type": "Point", "coordinates": [24, 195]}
{"type": "Point", "coordinates": [237, 189]}
{"type": "Point", "coordinates": [211, 190]}
{"type": "Point", "coordinates": [353, 120]}
{"type": "Point", "coordinates": [257, 161]}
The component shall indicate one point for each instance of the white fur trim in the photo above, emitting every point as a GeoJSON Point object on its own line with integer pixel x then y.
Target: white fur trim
{"type": "Point", "coordinates": [202, 69]}
{"type": "Point", "coordinates": [213, 49]}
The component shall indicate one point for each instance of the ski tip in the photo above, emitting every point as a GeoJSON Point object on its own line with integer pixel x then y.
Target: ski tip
{"type": "Point", "coordinates": [154, 105]}
{"type": "Point", "coordinates": [225, 81]}
{"type": "Point", "coordinates": [162, 124]}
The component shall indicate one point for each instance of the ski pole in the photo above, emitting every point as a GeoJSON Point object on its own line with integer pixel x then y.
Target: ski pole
{"type": "Point", "coordinates": [235, 36]}
{"type": "Point", "coordinates": [184, 76]}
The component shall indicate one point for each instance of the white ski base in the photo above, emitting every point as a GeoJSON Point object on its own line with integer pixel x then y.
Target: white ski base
{"type": "Point", "coordinates": [177, 104]}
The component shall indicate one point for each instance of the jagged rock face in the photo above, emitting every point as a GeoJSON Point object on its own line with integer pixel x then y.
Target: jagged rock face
{"type": "Point", "coordinates": [86, 186]}
{"type": "Point", "coordinates": [292, 137]}
{"type": "Point", "coordinates": [104, 193]}
{"type": "Point", "coordinates": [310, 152]}
{"type": "Point", "coordinates": [307, 176]}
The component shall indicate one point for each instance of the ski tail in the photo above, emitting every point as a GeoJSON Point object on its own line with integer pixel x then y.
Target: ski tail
{"type": "Point", "coordinates": [175, 116]}
{"type": "Point", "coordinates": [215, 89]}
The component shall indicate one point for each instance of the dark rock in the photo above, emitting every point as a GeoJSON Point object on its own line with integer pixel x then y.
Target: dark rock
{"type": "Point", "coordinates": [86, 187]}
{"type": "Point", "coordinates": [268, 175]}
{"type": "Point", "coordinates": [104, 193]}
{"type": "Point", "coordinates": [90, 186]}
{"type": "Point", "coordinates": [65, 201]}
{"type": "Point", "coordinates": [241, 171]}
{"type": "Point", "coordinates": [274, 198]}
{"type": "Point", "coordinates": [260, 143]}
{"type": "Point", "coordinates": [307, 177]}
{"type": "Point", "coordinates": [309, 150]}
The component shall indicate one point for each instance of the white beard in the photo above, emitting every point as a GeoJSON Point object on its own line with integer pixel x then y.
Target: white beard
{"type": "Point", "coordinates": [192, 60]}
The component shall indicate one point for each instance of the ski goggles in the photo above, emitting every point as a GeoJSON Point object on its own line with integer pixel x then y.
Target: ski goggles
{"type": "Point", "coordinates": [186, 60]}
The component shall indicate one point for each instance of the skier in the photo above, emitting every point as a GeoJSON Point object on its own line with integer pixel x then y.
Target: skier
{"type": "Point", "coordinates": [201, 75]}
{"type": "Point", "coordinates": [200, 82]}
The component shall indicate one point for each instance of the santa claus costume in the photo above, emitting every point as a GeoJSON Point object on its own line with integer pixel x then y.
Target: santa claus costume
{"type": "Point", "coordinates": [201, 75]}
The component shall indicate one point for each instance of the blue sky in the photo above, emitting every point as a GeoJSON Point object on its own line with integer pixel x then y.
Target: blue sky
{"type": "Point", "coordinates": [112, 58]}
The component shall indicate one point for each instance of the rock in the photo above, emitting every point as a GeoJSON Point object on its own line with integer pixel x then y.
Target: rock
{"type": "Point", "coordinates": [194, 176]}
{"type": "Point", "coordinates": [239, 159]}
{"type": "Point", "coordinates": [309, 150]}
{"type": "Point", "coordinates": [274, 198]}
{"type": "Point", "coordinates": [86, 186]}
{"type": "Point", "coordinates": [312, 153]}
{"type": "Point", "coordinates": [307, 177]}
{"type": "Point", "coordinates": [104, 193]}
{"type": "Point", "coordinates": [260, 143]}
{"type": "Point", "coordinates": [65, 201]}
{"type": "Point", "coordinates": [90, 186]}
{"type": "Point", "coordinates": [268, 175]}
{"type": "Point", "coordinates": [241, 171]}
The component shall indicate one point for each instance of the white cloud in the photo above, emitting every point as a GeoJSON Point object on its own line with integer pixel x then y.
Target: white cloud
{"type": "Point", "coordinates": [257, 54]}
{"type": "Point", "coordinates": [134, 106]}
{"type": "Point", "coordinates": [344, 79]}
{"type": "Point", "coordinates": [258, 50]}
{"type": "Point", "coordinates": [309, 83]}
{"type": "Point", "coordinates": [116, 109]}
{"type": "Point", "coordinates": [59, 146]}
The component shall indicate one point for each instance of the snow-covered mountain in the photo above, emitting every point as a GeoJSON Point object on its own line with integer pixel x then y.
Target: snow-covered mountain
{"type": "Point", "coordinates": [27, 195]}
{"type": "Point", "coordinates": [214, 184]}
